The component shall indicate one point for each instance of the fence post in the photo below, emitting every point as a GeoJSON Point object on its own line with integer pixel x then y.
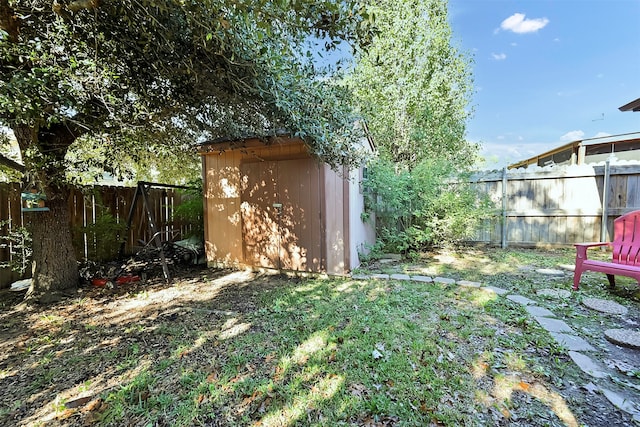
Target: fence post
{"type": "Point", "coordinates": [504, 208]}
{"type": "Point", "coordinates": [605, 201]}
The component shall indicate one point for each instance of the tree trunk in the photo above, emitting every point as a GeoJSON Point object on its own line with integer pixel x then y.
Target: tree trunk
{"type": "Point", "coordinates": [54, 265]}
{"type": "Point", "coordinates": [55, 269]}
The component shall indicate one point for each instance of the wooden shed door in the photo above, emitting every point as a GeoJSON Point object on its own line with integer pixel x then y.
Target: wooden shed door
{"type": "Point", "coordinates": [281, 221]}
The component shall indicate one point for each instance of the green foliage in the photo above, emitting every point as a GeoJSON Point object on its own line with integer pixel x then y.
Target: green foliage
{"type": "Point", "coordinates": [18, 241]}
{"type": "Point", "coordinates": [139, 77]}
{"type": "Point", "coordinates": [191, 210]}
{"type": "Point", "coordinates": [420, 208]}
{"type": "Point", "coordinates": [93, 86]}
{"type": "Point", "coordinates": [413, 85]}
{"type": "Point", "coordinates": [371, 252]}
{"type": "Point", "coordinates": [8, 150]}
{"type": "Point", "coordinates": [103, 237]}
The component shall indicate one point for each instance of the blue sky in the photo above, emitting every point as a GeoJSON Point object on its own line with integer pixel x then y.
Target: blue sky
{"type": "Point", "coordinates": [547, 72]}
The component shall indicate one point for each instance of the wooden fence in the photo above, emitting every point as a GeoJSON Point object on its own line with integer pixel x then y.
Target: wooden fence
{"type": "Point", "coordinates": [557, 206]}
{"type": "Point", "coordinates": [97, 215]}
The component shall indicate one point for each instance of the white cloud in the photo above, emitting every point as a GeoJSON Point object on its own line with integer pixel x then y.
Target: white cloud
{"type": "Point", "coordinates": [514, 44]}
{"type": "Point", "coordinates": [499, 56]}
{"type": "Point", "coordinates": [574, 135]}
{"type": "Point", "coordinates": [518, 24]}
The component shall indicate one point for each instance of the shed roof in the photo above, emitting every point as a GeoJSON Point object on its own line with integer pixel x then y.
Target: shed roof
{"type": "Point", "coordinates": [227, 143]}
{"type": "Point", "coordinates": [632, 106]}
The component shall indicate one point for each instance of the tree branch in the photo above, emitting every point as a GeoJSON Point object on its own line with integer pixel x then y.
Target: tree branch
{"type": "Point", "coordinates": [5, 161]}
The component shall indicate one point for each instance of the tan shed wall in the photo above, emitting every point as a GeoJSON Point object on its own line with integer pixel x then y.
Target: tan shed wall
{"type": "Point", "coordinates": [313, 230]}
{"type": "Point", "coordinates": [223, 226]}
{"type": "Point", "coordinates": [248, 175]}
{"type": "Point", "coordinates": [335, 217]}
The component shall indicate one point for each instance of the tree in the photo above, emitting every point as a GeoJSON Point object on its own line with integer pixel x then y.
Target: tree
{"type": "Point", "coordinates": [413, 85]}
{"type": "Point", "coordinates": [126, 76]}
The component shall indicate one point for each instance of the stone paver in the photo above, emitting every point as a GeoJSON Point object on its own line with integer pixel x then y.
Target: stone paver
{"type": "Point", "coordinates": [444, 280]}
{"type": "Point", "coordinates": [559, 330]}
{"type": "Point", "coordinates": [400, 277]}
{"type": "Point", "coordinates": [468, 284]}
{"type": "Point", "coordinates": [604, 306]}
{"type": "Point", "coordinates": [623, 337]}
{"type": "Point", "coordinates": [425, 279]}
{"type": "Point", "coordinates": [550, 272]}
{"type": "Point", "coordinates": [569, 267]}
{"type": "Point", "coordinates": [572, 342]}
{"type": "Point", "coordinates": [536, 311]}
{"type": "Point", "coordinates": [553, 325]}
{"type": "Point", "coordinates": [554, 293]}
{"type": "Point", "coordinates": [521, 300]}
{"type": "Point", "coordinates": [623, 403]}
{"type": "Point", "coordinates": [588, 365]}
{"type": "Point", "coordinates": [495, 290]}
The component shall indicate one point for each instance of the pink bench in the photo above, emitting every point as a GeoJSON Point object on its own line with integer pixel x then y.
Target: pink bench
{"type": "Point", "coordinates": [625, 260]}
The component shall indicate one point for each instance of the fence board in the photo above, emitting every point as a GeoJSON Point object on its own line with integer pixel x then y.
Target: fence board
{"type": "Point", "coordinates": [557, 206]}
{"type": "Point", "coordinates": [85, 207]}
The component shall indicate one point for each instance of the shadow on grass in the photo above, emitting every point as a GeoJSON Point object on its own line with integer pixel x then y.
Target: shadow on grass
{"type": "Point", "coordinates": [235, 348]}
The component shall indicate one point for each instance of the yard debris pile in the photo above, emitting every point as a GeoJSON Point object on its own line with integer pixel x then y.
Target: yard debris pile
{"type": "Point", "coordinates": [145, 265]}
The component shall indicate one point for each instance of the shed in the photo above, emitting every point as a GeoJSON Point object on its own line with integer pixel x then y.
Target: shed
{"type": "Point", "coordinates": [271, 204]}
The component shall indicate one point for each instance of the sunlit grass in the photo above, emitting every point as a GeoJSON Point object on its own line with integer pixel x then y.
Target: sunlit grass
{"type": "Point", "coordinates": [320, 352]}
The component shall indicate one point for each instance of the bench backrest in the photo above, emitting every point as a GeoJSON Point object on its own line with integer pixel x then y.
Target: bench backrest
{"type": "Point", "coordinates": [626, 239]}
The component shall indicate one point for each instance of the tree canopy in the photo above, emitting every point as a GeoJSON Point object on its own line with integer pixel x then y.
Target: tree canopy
{"type": "Point", "coordinates": [413, 85]}
{"type": "Point", "coordinates": [132, 78]}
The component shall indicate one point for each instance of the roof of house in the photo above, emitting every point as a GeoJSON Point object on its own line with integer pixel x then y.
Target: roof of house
{"type": "Point", "coordinates": [626, 138]}
{"type": "Point", "coordinates": [632, 106]}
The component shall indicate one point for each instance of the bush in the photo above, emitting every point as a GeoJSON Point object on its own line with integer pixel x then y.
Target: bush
{"type": "Point", "coordinates": [104, 237]}
{"type": "Point", "coordinates": [18, 240]}
{"type": "Point", "coordinates": [190, 212]}
{"type": "Point", "coordinates": [423, 207]}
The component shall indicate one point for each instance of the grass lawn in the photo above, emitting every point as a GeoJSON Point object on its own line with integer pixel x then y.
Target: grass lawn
{"type": "Point", "coordinates": [221, 348]}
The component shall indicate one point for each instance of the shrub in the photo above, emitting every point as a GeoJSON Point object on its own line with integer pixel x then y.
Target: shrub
{"type": "Point", "coordinates": [190, 211]}
{"type": "Point", "coordinates": [423, 207]}
{"type": "Point", "coordinates": [103, 236]}
{"type": "Point", "coordinates": [18, 241]}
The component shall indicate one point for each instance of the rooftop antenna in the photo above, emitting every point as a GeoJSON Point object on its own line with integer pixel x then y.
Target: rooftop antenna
{"type": "Point", "coordinates": [601, 118]}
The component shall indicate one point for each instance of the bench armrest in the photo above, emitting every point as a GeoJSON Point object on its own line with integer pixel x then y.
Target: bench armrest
{"type": "Point", "coordinates": [592, 244]}
{"type": "Point", "coordinates": [581, 248]}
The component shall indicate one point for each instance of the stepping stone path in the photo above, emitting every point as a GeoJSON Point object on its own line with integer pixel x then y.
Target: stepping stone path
{"type": "Point", "coordinates": [538, 311]}
{"type": "Point", "coordinates": [587, 365]}
{"type": "Point", "coordinates": [623, 337]}
{"type": "Point", "coordinates": [444, 281]}
{"type": "Point", "coordinates": [520, 299]}
{"type": "Point", "coordinates": [493, 289]}
{"type": "Point", "coordinates": [558, 329]}
{"type": "Point", "coordinates": [604, 306]}
{"type": "Point", "coordinates": [550, 272]}
{"type": "Point", "coordinates": [554, 293]}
